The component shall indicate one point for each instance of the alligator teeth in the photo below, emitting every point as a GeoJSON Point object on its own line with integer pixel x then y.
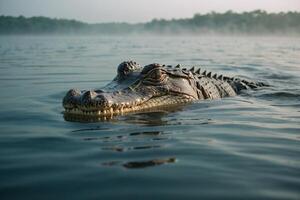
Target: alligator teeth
{"type": "Point", "coordinates": [117, 111]}
{"type": "Point", "coordinates": [128, 107]}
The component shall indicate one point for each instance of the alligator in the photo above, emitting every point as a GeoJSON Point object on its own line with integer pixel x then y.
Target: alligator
{"type": "Point", "coordinates": [137, 89]}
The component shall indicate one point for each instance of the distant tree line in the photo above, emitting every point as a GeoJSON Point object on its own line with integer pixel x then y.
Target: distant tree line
{"type": "Point", "coordinates": [20, 25]}
{"type": "Point", "coordinates": [255, 22]}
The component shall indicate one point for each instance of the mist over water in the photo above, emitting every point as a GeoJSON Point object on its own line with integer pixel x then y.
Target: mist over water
{"type": "Point", "coordinates": [243, 147]}
{"type": "Point", "coordinates": [257, 22]}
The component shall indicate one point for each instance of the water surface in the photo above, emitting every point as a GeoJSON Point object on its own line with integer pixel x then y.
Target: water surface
{"type": "Point", "coordinates": [244, 147]}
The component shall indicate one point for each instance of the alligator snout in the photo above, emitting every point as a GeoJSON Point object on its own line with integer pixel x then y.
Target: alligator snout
{"type": "Point", "coordinates": [85, 100]}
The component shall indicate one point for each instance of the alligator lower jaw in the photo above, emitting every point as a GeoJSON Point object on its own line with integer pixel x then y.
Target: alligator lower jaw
{"type": "Point", "coordinates": [153, 103]}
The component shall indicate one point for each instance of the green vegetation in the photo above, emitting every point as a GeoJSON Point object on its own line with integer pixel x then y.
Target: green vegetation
{"type": "Point", "coordinates": [44, 25]}
{"type": "Point", "coordinates": [255, 22]}
{"type": "Point", "coordinates": [20, 25]}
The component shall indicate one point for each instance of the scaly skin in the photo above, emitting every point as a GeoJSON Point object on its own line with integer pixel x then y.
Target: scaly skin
{"type": "Point", "coordinates": [153, 86]}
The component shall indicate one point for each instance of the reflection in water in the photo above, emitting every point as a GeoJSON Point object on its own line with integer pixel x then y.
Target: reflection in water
{"type": "Point", "coordinates": [90, 129]}
{"type": "Point", "coordinates": [111, 163]}
{"type": "Point", "coordinates": [148, 119]}
{"type": "Point", "coordinates": [122, 149]}
{"type": "Point", "coordinates": [114, 138]}
{"type": "Point", "coordinates": [130, 142]}
{"type": "Point", "coordinates": [148, 163]}
{"type": "Point", "coordinates": [141, 164]}
{"type": "Point", "coordinates": [151, 133]}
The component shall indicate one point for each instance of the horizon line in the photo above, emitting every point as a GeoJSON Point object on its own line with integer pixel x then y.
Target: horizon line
{"type": "Point", "coordinates": [133, 23]}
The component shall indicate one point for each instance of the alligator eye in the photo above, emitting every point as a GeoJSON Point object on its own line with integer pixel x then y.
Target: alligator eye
{"type": "Point", "coordinates": [155, 75]}
{"type": "Point", "coordinates": [150, 67]}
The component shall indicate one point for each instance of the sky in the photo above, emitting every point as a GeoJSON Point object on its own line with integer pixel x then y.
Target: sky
{"type": "Point", "coordinates": [133, 11]}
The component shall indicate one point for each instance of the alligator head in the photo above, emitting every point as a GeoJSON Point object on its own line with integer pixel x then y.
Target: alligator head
{"type": "Point", "coordinates": [135, 89]}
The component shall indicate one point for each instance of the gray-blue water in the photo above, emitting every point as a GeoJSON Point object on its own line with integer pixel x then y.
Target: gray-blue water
{"type": "Point", "coordinates": [243, 147]}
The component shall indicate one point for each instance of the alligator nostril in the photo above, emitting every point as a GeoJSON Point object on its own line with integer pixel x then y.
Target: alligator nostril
{"type": "Point", "coordinates": [89, 95]}
{"type": "Point", "coordinates": [73, 92]}
{"type": "Point", "coordinates": [71, 97]}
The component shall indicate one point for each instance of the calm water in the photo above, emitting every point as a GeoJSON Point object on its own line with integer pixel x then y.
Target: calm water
{"type": "Point", "coordinates": [244, 147]}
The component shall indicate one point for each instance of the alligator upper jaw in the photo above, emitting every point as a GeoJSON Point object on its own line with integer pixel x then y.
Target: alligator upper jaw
{"type": "Point", "coordinates": [137, 105]}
